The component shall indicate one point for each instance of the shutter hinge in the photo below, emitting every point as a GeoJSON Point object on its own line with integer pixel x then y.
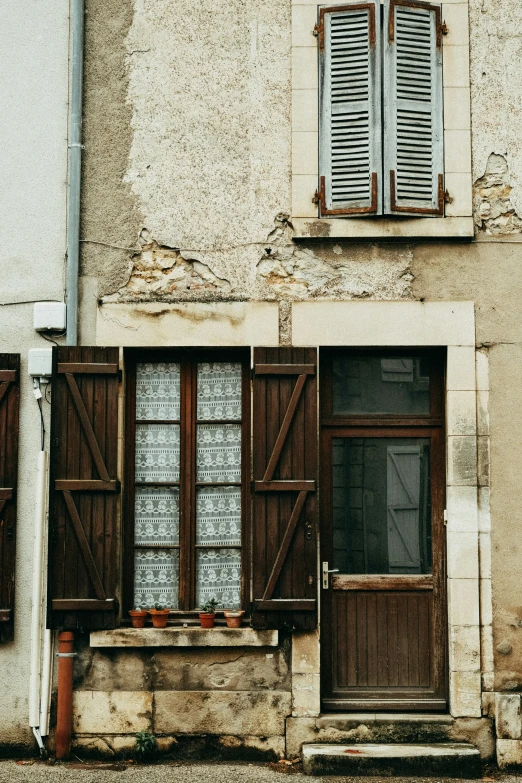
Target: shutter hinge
{"type": "Point", "coordinates": [444, 28]}
{"type": "Point", "coordinates": [445, 516]}
{"type": "Point", "coordinates": [447, 198]}
{"type": "Point", "coordinates": [318, 31]}
{"type": "Point", "coordinates": [316, 198]}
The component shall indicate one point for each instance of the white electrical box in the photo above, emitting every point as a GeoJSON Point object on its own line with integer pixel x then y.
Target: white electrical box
{"type": "Point", "coordinates": [40, 362]}
{"type": "Point", "coordinates": [49, 316]}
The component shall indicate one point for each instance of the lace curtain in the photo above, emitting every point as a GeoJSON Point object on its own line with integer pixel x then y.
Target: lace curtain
{"type": "Point", "coordinates": [218, 575]}
{"type": "Point", "coordinates": [219, 391]}
{"type": "Point", "coordinates": [219, 452]}
{"type": "Point", "coordinates": [156, 578]}
{"type": "Point", "coordinates": [218, 516]}
{"type": "Point", "coordinates": [218, 460]}
{"type": "Point", "coordinates": [156, 516]}
{"type": "Point", "coordinates": [157, 452]}
{"type": "Point", "coordinates": [158, 390]}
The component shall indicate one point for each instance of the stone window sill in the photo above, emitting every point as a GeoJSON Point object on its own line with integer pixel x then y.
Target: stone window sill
{"type": "Point", "coordinates": [383, 228]}
{"type": "Point", "coordinates": [184, 637]}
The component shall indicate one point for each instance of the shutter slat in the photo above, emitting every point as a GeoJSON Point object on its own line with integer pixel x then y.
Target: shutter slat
{"type": "Point", "coordinates": [413, 132]}
{"type": "Point", "coordinates": [284, 499]}
{"type": "Point", "coordinates": [9, 416]}
{"type": "Point", "coordinates": [350, 110]}
{"type": "Point", "coordinates": [84, 489]}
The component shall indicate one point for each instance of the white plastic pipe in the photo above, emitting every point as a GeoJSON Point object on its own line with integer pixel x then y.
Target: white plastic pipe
{"type": "Point", "coordinates": [46, 683]}
{"type": "Point", "coordinates": [36, 612]}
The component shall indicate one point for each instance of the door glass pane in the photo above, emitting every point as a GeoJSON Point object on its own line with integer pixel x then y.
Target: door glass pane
{"type": "Point", "coordinates": [381, 505]}
{"type": "Point", "coordinates": [218, 575]}
{"type": "Point", "coordinates": [381, 385]}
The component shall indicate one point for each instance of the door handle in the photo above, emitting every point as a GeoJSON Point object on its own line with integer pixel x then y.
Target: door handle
{"type": "Point", "coordinates": [326, 571]}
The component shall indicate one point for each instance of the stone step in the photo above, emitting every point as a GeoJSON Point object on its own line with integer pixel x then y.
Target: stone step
{"type": "Point", "coordinates": [455, 759]}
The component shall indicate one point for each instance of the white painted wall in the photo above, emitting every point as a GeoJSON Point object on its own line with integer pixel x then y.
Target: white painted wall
{"type": "Point", "coordinates": [33, 139]}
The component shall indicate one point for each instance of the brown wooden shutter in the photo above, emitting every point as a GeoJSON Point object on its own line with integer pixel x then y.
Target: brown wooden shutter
{"type": "Point", "coordinates": [9, 411]}
{"type": "Point", "coordinates": [285, 472]}
{"type": "Point", "coordinates": [84, 487]}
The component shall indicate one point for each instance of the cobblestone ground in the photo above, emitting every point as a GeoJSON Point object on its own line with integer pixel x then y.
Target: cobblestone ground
{"type": "Point", "coordinates": [180, 772]}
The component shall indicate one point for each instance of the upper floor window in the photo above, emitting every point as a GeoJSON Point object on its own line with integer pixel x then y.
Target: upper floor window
{"type": "Point", "coordinates": [380, 117]}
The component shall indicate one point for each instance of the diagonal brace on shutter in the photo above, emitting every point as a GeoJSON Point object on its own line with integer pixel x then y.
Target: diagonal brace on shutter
{"type": "Point", "coordinates": [87, 427]}
{"type": "Point", "coordinates": [285, 426]}
{"type": "Point", "coordinates": [285, 545]}
{"type": "Point", "coordinates": [84, 546]}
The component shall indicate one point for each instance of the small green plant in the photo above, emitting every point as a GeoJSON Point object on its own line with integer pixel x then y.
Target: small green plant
{"type": "Point", "coordinates": [210, 606]}
{"type": "Point", "coordinates": [145, 744]}
{"type": "Point", "coordinates": [159, 607]}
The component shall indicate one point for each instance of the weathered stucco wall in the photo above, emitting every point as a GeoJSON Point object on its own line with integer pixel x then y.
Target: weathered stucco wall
{"type": "Point", "coordinates": [187, 198]}
{"type": "Point", "coordinates": [33, 131]}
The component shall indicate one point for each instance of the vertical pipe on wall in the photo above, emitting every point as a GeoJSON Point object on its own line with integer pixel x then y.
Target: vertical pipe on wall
{"type": "Point", "coordinates": [75, 170]}
{"type": "Point", "coordinates": [36, 610]}
{"type": "Point", "coordinates": [65, 694]}
{"type": "Point", "coordinates": [47, 672]}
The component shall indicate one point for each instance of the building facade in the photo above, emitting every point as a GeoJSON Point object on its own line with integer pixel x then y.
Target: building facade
{"type": "Point", "coordinates": [296, 383]}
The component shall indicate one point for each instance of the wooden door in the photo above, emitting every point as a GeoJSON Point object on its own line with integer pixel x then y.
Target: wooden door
{"type": "Point", "coordinates": [383, 607]}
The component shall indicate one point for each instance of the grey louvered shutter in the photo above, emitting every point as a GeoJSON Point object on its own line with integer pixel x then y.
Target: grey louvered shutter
{"type": "Point", "coordinates": [350, 147]}
{"type": "Point", "coordinates": [413, 109]}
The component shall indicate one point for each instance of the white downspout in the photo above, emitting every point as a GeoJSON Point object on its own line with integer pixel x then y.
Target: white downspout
{"type": "Point", "coordinates": [37, 598]}
{"type": "Point", "coordinates": [47, 674]}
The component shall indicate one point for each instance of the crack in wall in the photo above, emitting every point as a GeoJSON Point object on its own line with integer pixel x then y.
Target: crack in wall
{"type": "Point", "coordinates": [493, 209]}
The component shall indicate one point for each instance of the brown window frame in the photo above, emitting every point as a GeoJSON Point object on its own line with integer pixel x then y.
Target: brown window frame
{"type": "Point", "coordinates": [188, 359]}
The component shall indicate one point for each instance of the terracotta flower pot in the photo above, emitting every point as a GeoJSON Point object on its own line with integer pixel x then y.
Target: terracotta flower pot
{"type": "Point", "coordinates": [138, 617]}
{"type": "Point", "coordinates": [206, 619]}
{"type": "Point", "coordinates": [159, 617]}
{"type": "Point", "coordinates": [234, 618]}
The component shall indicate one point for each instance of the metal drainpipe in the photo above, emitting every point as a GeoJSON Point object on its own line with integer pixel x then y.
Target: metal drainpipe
{"type": "Point", "coordinates": [75, 169]}
{"type": "Point", "coordinates": [65, 693]}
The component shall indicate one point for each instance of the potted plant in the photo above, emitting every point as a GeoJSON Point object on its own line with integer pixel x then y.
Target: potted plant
{"type": "Point", "coordinates": [160, 615]}
{"type": "Point", "coordinates": [138, 617]}
{"type": "Point", "coordinates": [234, 617]}
{"type": "Point", "coordinates": [208, 613]}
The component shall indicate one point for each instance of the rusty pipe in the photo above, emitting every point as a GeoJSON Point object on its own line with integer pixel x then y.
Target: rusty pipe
{"type": "Point", "coordinates": [65, 693]}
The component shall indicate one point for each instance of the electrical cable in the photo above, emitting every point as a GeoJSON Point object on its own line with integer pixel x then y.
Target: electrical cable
{"type": "Point", "coordinates": [42, 422]}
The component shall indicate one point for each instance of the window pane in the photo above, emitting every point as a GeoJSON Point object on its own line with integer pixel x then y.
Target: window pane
{"type": "Point", "coordinates": [218, 515]}
{"type": "Point", "coordinates": [375, 384]}
{"type": "Point", "coordinates": [381, 505]}
{"type": "Point", "coordinates": [157, 452]}
{"type": "Point", "coordinates": [218, 575]}
{"type": "Point", "coordinates": [157, 390]}
{"type": "Point", "coordinates": [156, 516]}
{"type": "Point", "coordinates": [156, 577]}
{"type": "Point", "coordinates": [219, 390]}
{"type": "Point", "coordinates": [219, 452]}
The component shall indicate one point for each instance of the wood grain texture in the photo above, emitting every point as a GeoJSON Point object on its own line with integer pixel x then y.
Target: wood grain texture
{"type": "Point", "coordinates": [84, 489]}
{"type": "Point", "coordinates": [9, 421]}
{"type": "Point", "coordinates": [284, 506]}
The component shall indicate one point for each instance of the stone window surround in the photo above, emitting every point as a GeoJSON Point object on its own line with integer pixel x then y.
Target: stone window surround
{"type": "Point", "coordinates": [450, 324]}
{"type": "Point", "coordinates": [458, 222]}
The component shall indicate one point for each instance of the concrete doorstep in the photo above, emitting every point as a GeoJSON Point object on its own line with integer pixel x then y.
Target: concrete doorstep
{"type": "Point", "coordinates": [455, 759]}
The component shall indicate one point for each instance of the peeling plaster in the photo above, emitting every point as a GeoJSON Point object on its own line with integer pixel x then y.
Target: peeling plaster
{"type": "Point", "coordinates": [493, 208]}
{"type": "Point", "coordinates": [164, 270]}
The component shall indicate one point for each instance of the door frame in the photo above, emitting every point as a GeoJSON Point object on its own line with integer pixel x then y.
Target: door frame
{"type": "Point", "coordinates": [423, 324]}
{"type": "Point", "coordinates": [430, 426]}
